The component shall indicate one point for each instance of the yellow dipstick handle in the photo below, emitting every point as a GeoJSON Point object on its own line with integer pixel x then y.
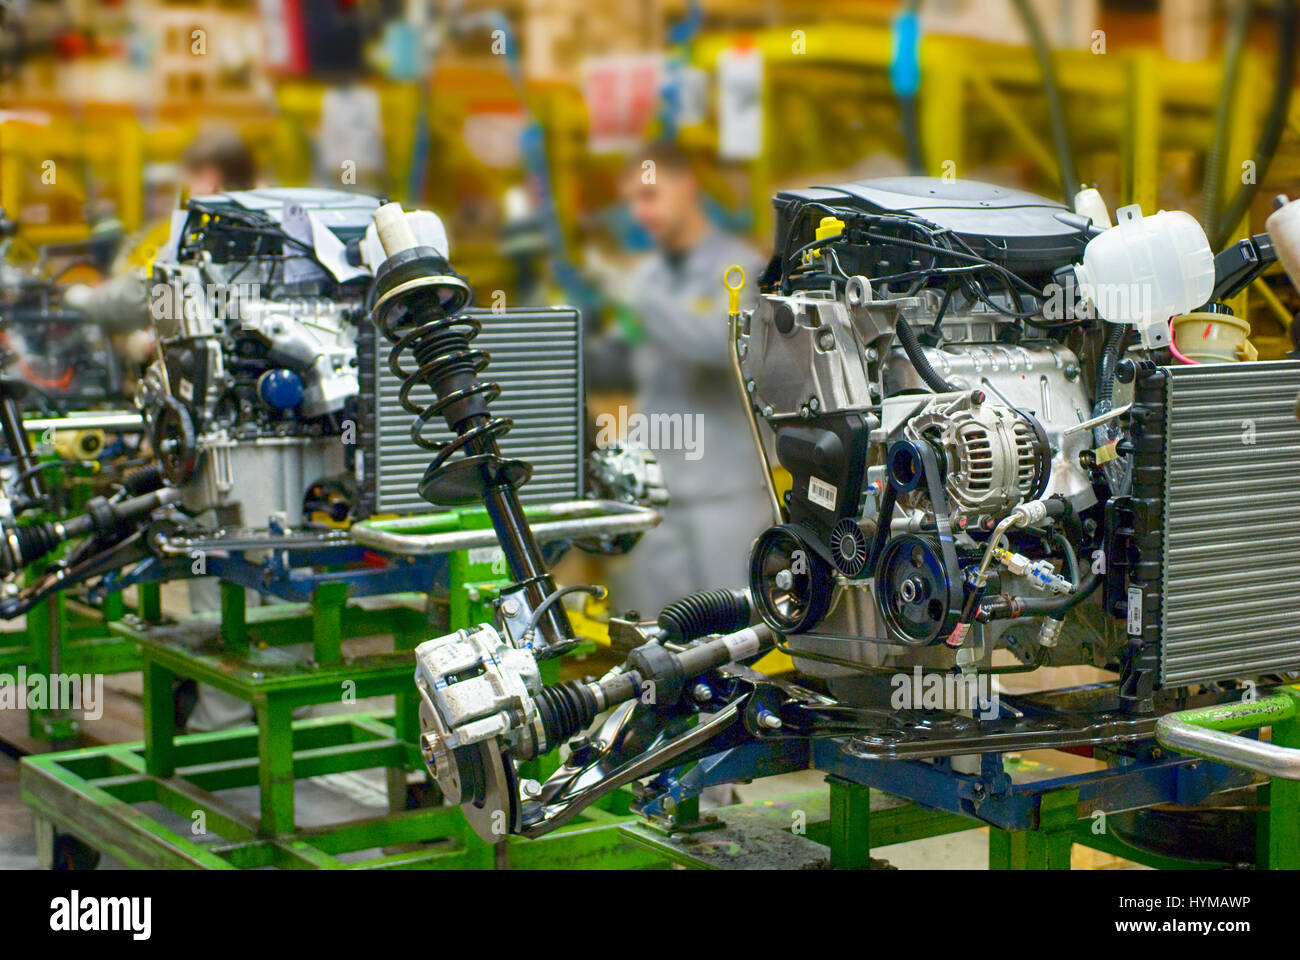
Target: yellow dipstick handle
{"type": "Point", "coordinates": [733, 289]}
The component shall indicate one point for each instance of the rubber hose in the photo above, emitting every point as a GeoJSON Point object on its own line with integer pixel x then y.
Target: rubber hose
{"type": "Point", "coordinates": [1106, 367]}
{"type": "Point", "coordinates": [915, 353]}
{"type": "Point", "coordinates": [1071, 558]}
{"type": "Point", "coordinates": [1271, 135]}
{"type": "Point", "coordinates": [1058, 607]}
{"type": "Point", "coordinates": [1069, 177]}
{"type": "Point", "coordinates": [1211, 189]}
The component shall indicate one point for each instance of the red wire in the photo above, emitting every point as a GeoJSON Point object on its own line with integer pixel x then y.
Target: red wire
{"type": "Point", "coordinates": [1173, 348]}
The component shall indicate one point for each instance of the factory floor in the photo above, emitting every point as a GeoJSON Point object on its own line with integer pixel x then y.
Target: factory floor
{"type": "Point", "coordinates": [347, 796]}
{"type": "Point", "coordinates": [353, 795]}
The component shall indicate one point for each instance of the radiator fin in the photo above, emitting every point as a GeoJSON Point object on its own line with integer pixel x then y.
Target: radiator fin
{"type": "Point", "coordinates": [1231, 575]}
{"type": "Point", "coordinates": [537, 359]}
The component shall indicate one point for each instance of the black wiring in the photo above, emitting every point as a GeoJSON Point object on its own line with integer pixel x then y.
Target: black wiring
{"type": "Point", "coordinates": [941, 256]}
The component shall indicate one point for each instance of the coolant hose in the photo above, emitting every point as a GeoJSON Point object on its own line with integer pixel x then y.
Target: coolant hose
{"type": "Point", "coordinates": [915, 353]}
{"type": "Point", "coordinates": [1211, 190]}
{"type": "Point", "coordinates": [1275, 124]}
{"type": "Point", "coordinates": [1069, 178]}
{"type": "Point", "coordinates": [1106, 368]}
{"type": "Point", "coordinates": [1058, 607]}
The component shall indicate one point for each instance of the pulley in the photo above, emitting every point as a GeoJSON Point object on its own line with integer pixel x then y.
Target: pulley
{"type": "Point", "coordinates": [790, 581]}
{"type": "Point", "coordinates": [919, 601]}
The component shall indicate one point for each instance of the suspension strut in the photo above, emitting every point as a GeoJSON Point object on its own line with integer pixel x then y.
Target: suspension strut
{"type": "Point", "coordinates": [15, 437]}
{"type": "Point", "coordinates": [418, 304]}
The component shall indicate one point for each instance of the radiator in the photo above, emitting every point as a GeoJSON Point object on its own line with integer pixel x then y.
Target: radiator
{"type": "Point", "coordinates": [1230, 583]}
{"type": "Point", "coordinates": [536, 357]}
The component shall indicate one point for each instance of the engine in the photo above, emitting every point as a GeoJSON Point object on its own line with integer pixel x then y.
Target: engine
{"type": "Point", "coordinates": [945, 370]}
{"type": "Point", "coordinates": [255, 304]}
{"type": "Point", "coordinates": [918, 398]}
{"type": "Point", "coordinates": [995, 464]}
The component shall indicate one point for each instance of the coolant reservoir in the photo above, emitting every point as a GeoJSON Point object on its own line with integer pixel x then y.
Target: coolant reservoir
{"type": "Point", "coordinates": [1088, 203]}
{"type": "Point", "coordinates": [1147, 270]}
{"type": "Point", "coordinates": [1283, 226]}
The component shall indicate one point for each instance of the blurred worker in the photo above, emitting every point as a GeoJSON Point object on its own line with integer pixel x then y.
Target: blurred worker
{"type": "Point", "coordinates": [215, 161]}
{"type": "Point", "coordinates": [687, 398]}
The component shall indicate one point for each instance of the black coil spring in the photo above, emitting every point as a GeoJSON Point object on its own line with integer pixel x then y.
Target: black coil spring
{"type": "Point", "coordinates": [710, 611]}
{"type": "Point", "coordinates": [440, 346]}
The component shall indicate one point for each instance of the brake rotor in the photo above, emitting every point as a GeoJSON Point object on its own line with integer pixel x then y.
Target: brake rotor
{"type": "Point", "coordinates": [495, 813]}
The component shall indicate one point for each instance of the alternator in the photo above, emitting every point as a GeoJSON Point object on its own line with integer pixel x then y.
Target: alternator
{"type": "Point", "coordinates": [995, 457]}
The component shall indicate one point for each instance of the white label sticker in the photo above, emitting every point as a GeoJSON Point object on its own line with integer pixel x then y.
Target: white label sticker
{"type": "Point", "coordinates": [822, 493]}
{"type": "Point", "coordinates": [743, 644]}
{"type": "Point", "coordinates": [1135, 611]}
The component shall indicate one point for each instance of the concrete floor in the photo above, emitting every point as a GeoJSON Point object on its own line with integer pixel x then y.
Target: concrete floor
{"type": "Point", "coordinates": [347, 796]}
{"type": "Point", "coordinates": [331, 799]}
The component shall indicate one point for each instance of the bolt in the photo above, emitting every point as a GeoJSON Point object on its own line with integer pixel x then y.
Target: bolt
{"type": "Point", "coordinates": [769, 720]}
{"type": "Point", "coordinates": [784, 579]}
{"type": "Point", "coordinates": [749, 385]}
{"type": "Point", "coordinates": [428, 746]}
{"type": "Point", "coordinates": [530, 789]}
{"type": "Point", "coordinates": [814, 404]}
{"type": "Point", "coordinates": [702, 693]}
{"type": "Point", "coordinates": [510, 608]}
{"type": "Point", "coordinates": [473, 594]}
{"type": "Point", "coordinates": [581, 750]}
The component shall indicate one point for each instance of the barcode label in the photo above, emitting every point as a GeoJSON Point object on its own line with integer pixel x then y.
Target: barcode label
{"type": "Point", "coordinates": [822, 493]}
{"type": "Point", "coordinates": [1135, 611]}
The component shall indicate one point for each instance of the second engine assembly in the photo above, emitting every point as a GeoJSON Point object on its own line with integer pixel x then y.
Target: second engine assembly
{"type": "Point", "coordinates": [256, 304]}
{"type": "Point", "coordinates": [992, 452]}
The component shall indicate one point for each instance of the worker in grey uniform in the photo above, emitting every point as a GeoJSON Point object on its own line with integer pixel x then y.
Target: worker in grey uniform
{"type": "Point", "coordinates": [686, 393]}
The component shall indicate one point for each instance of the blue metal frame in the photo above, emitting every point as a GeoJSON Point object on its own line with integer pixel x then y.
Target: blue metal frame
{"type": "Point", "coordinates": [989, 796]}
{"type": "Point", "coordinates": [292, 575]}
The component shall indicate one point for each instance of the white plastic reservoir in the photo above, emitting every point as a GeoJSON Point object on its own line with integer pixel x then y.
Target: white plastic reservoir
{"type": "Point", "coordinates": [1147, 270]}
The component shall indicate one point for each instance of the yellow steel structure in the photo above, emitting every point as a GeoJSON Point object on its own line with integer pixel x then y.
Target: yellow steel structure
{"type": "Point", "coordinates": [1133, 104]}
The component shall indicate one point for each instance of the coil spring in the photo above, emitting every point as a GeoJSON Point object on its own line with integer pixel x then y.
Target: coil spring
{"type": "Point", "coordinates": [440, 346]}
